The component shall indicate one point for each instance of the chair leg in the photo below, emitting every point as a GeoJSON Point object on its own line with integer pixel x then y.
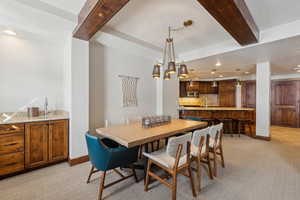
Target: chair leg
{"type": "Point", "coordinates": [239, 128]}
{"type": "Point", "coordinates": [134, 173]}
{"type": "Point", "coordinates": [231, 128]}
{"type": "Point", "coordinates": [141, 152]}
{"type": "Point", "coordinates": [209, 167]}
{"type": "Point", "coordinates": [215, 162]}
{"type": "Point", "coordinates": [158, 144]}
{"type": "Point", "coordinates": [192, 180]}
{"type": "Point", "coordinates": [222, 157]}
{"type": "Point", "coordinates": [147, 175]}
{"type": "Point", "coordinates": [250, 129]}
{"type": "Point", "coordinates": [199, 173]}
{"type": "Point", "coordinates": [152, 146]}
{"type": "Point", "coordinates": [90, 175]}
{"type": "Point", "coordinates": [174, 186]}
{"type": "Point", "coordinates": [101, 186]}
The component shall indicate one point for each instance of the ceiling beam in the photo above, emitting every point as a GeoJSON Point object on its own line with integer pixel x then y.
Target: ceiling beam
{"type": "Point", "coordinates": [235, 17]}
{"type": "Point", "coordinates": [94, 15]}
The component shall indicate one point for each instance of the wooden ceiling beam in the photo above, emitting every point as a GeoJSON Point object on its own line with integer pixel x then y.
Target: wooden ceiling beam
{"type": "Point", "coordinates": [94, 15]}
{"type": "Point", "coordinates": [235, 17]}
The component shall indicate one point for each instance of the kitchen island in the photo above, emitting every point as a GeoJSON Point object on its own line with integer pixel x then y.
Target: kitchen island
{"type": "Point", "coordinates": [220, 113]}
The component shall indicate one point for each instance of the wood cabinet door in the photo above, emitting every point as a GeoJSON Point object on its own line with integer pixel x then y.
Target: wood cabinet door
{"type": "Point", "coordinates": [183, 88]}
{"type": "Point", "coordinates": [58, 140]}
{"type": "Point", "coordinates": [249, 94]}
{"type": "Point", "coordinates": [205, 87]}
{"type": "Point", "coordinates": [202, 87]}
{"type": "Point", "coordinates": [285, 103]}
{"type": "Point", "coordinates": [36, 144]}
{"type": "Point", "coordinates": [227, 95]}
{"type": "Point", "coordinates": [193, 86]}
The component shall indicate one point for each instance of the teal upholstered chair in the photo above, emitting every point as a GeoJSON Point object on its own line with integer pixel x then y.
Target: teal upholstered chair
{"type": "Point", "coordinates": [105, 155]}
{"type": "Point", "coordinates": [192, 118]}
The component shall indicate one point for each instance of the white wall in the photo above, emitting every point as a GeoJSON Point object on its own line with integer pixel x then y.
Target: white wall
{"type": "Point", "coordinates": [30, 69]}
{"type": "Point", "coordinates": [263, 99]}
{"type": "Point", "coordinates": [79, 97]}
{"type": "Point", "coordinates": [105, 85]}
{"type": "Point", "coordinates": [170, 96]}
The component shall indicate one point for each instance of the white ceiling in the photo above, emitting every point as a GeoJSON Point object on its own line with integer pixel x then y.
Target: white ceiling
{"type": "Point", "coordinates": [144, 20]}
{"type": "Point", "coordinates": [269, 13]}
{"type": "Point", "coordinates": [73, 6]}
{"type": "Point", "coordinates": [149, 20]}
{"type": "Point", "coordinates": [29, 22]}
{"type": "Point", "coordinates": [284, 55]}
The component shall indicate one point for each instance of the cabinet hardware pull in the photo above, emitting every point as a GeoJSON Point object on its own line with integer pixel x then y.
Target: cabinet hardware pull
{"type": "Point", "coordinates": [10, 164]}
{"type": "Point", "coordinates": [11, 144]}
{"type": "Point", "coordinates": [8, 129]}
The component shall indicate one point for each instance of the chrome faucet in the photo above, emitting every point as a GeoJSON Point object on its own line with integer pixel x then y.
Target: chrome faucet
{"type": "Point", "coordinates": [46, 107]}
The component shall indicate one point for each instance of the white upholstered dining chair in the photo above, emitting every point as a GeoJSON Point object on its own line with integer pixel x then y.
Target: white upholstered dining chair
{"type": "Point", "coordinates": [200, 151]}
{"type": "Point", "coordinates": [216, 145]}
{"type": "Point", "coordinates": [174, 159]}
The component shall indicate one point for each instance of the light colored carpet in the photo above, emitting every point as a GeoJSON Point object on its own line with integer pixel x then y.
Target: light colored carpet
{"type": "Point", "coordinates": [255, 170]}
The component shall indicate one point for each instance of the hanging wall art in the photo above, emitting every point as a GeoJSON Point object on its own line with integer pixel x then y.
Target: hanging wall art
{"type": "Point", "coordinates": [129, 90]}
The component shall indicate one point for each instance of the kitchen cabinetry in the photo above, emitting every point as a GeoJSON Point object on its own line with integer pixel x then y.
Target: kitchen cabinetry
{"type": "Point", "coordinates": [227, 95]}
{"type": "Point", "coordinates": [46, 142]}
{"type": "Point", "coordinates": [58, 140]}
{"type": "Point", "coordinates": [36, 148]}
{"type": "Point", "coordinates": [11, 148]}
{"type": "Point", "coordinates": [205, 87]}
{"type": "Point", "coordinates": [32, 145]}
{"type": "Point", "coordinates": [249, 94]}
{"type": "Point", "coordinates": [192, 86]}
{"type": "Point", "coordinates": [183, 88]}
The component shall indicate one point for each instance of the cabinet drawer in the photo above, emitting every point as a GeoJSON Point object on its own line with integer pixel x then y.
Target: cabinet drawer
{"type": "Point", "coordinates": [11, 128]}
{"type": "Point", "coordinates": [11, 143]}
{"type": "Point", "coordinates": [10, 163]}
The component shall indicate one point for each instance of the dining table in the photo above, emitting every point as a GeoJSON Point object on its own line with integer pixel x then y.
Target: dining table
{"type": "Point", "coordinates": [134, 134]}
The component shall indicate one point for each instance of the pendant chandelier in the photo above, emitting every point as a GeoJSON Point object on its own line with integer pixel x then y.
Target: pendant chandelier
{"type": "Point", "coordinates": [169, 63]}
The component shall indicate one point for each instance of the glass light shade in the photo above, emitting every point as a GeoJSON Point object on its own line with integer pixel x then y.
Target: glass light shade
{"type": "Point", "coordinates": [180, 76]}
{"type": "Point", "coordinates": [156, 71]}
{"type": "Point", "coordinates": [214, 84]}
{"type": "Point", "coordinates": [171, 67]}
{"type": "Point", "coordinates": [183, 71]}
{"type": "Point", "coordinates": [167, 75]}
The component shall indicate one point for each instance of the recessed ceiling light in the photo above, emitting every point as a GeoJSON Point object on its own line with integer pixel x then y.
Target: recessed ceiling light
{"type": "Point", "coordinates": [213, 71]}
{"type": "Point", "coordinates": [9, 32]}
{"type": "Point", "coordinates": [221, 76]}
{"type": "Point", "coordinates": [298, 70]}
{"type": "Point", "coordinates": [218, 64]}
{"type": "Point", "coordinates": [247, 72]}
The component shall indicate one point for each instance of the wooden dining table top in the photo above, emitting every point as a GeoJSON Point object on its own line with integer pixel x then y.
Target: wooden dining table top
{"type": "Point", "coordinates": [134, 134]}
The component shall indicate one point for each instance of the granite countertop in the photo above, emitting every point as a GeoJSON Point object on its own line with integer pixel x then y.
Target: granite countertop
{"type": "Point", "coordinates": [217, 108]}
{"type": "Point", "coordinates": [21, 117]}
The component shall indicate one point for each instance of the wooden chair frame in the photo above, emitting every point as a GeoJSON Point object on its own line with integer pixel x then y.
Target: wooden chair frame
{"type": "Point", "coordinates": [203, 158]}
{"type": "Point", "coordinates": [172, 171]}
{"type": "Point", "coordinates": [102, 185]}
{"type": "Point", "coordinates": [217, 149]}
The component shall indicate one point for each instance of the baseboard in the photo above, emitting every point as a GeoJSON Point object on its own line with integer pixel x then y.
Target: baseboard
{"type": "Point", "coordinates": [262, 138]}
{"type": "Point", "coordinates": [76, 161]}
